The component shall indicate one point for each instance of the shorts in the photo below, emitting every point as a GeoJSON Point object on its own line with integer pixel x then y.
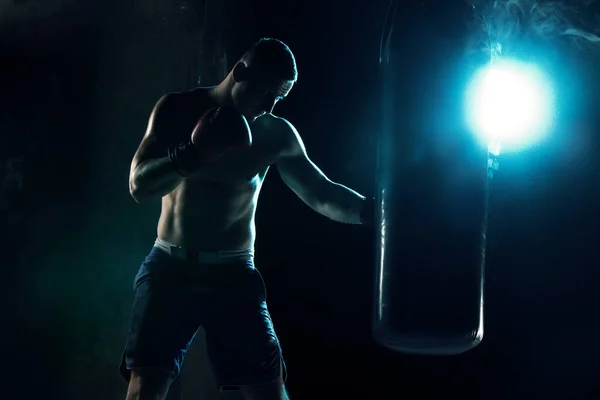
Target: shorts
{"type": "Point", "coordinates": [173, 298]}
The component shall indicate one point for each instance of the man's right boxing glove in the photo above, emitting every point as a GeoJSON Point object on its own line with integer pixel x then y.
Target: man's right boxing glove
{"type": "Point", "coordinates": [219, 131]}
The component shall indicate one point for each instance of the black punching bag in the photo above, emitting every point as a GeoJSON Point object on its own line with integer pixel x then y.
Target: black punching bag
{"type": "Point", "coordinates": [431, 189]}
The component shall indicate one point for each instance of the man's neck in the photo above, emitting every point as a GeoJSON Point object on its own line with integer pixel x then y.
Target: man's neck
{"type": "Point", "coordinates": [221, 94]}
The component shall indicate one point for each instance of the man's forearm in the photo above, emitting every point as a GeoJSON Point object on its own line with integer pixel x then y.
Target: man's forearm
{"type": "Point", "coordinates": [153, 179]}
{"type": "Point", "coordinates": [340, 203]}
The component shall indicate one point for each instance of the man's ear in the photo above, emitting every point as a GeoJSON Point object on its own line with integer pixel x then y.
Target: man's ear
{"type": "Point", "coordinates": [240, 72]}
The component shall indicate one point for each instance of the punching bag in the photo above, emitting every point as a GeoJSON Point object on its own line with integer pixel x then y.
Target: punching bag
{"type": "Point", "coordinates": [431, 190]}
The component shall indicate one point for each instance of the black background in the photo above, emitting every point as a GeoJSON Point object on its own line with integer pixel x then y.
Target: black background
{"type": "Point", "coordinates": [78, 82]}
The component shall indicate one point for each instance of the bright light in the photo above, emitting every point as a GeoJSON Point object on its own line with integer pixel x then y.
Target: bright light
{"type": "Point", "coordinates": [510, 105]}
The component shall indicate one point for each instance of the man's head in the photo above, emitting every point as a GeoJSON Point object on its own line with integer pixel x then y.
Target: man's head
{"type": "Point", "coordinates": [263, 76]}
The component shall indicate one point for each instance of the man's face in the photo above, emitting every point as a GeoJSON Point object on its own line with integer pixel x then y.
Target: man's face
{"type": "Point", "coordinates": [257, 95]}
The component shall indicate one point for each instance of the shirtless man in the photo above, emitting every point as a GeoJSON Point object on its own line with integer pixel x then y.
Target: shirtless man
{"type": "Point", "coordinates": [200, 271]}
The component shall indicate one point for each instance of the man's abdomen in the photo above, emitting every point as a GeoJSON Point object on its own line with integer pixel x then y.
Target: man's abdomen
{"type": "Point", "coordinates": [207, 222]}
{"type": "Point", "coordinates": [207, 232]}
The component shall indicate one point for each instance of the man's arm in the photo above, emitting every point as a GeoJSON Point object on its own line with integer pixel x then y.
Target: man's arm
{"type": "Point", "coordinates": [152, 174]}
{"type": "Point", "coordinates": [156, 169]}
{"type": "Point", "coordinates": [326, 197]}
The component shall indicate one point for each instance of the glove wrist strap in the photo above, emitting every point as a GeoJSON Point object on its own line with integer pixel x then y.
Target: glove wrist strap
{"type": "Point", "coordinates": [184, 158]}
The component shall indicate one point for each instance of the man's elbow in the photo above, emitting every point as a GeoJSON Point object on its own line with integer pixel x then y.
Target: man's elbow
{"type": "Point", "coordinates": [339, 203]}
{"type": "Point", "coordinates": [319, 202]}
{"type": "Point", "coordinates": [137, 194]}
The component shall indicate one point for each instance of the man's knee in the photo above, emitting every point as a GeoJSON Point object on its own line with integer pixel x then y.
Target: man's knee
{"type": "Point", "coordinates": [149, 384]}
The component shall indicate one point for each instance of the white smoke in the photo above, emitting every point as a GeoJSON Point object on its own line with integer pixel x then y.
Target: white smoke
{"type": "Point", "coordinates": [503, 26]}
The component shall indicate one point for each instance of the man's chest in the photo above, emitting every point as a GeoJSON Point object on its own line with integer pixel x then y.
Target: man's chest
{"type": "Point", "coordinates": [240, 167]}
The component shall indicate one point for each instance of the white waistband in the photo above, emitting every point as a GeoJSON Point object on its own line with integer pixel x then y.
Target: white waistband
{"type": "Point", "coordinates": [211, 257]}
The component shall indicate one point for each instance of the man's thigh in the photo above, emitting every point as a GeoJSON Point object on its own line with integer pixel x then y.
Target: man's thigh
{"type": "Point", "coordinates": [244, 349]}
{"type": "Point", "coordinates": [161, 325]}
{"type": "Point", "coordinates": [268, 391]}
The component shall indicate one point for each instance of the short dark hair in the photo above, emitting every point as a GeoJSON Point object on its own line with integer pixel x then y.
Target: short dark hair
{"type": "Point", "coordinates": [273, 57]}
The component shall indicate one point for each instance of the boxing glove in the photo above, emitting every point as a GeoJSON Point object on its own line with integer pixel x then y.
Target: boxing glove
{"type": "Point", "coordinates": [219, 131]}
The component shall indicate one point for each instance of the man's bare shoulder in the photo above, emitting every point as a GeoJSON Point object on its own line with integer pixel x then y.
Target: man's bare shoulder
{"type": "Point", "coordinates": [284, 131]}
{"type": "Point", "coordinates": [189, 99]}
{"type": "Point", "coordinates": [176, 113]}
{"type": "Point", "coordinates": [277, 125]}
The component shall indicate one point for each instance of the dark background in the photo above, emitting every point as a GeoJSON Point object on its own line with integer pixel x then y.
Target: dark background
{"type": "Point", "coordinates": [78, 80]}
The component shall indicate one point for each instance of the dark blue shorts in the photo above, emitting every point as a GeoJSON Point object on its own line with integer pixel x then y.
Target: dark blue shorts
{"type": "Point", "coordinates": [173, 298]}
